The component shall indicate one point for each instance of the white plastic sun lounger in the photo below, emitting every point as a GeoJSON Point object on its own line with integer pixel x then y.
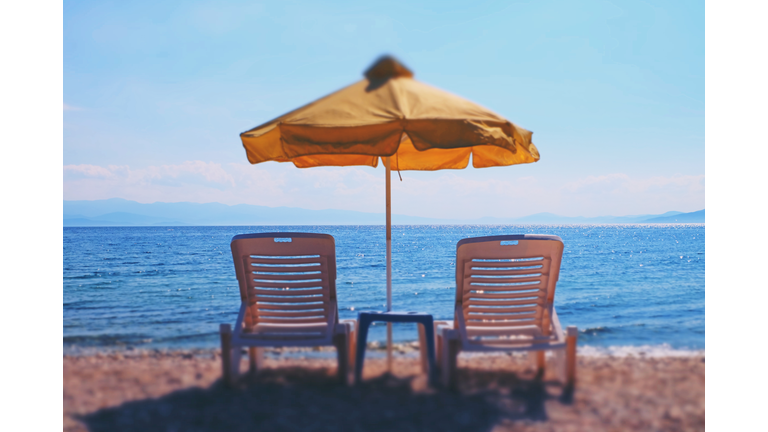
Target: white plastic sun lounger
{"type": "Point", "coordinates": [288, 299]}
{"type": "Point", "coordinates": [505, 288]}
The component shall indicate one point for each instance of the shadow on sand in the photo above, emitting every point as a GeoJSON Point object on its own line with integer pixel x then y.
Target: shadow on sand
{"type": "Point", "coordinates": [299, 399]}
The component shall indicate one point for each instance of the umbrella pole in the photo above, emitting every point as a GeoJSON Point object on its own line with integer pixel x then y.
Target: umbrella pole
{"type": "Point", "coordinates": [389, 261]}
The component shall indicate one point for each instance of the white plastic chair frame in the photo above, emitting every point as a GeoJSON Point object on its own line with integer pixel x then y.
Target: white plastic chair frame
{"type": "Point", "coordinates": [288, 299]}
{"type": "Point", "coordinates": [505, 289]}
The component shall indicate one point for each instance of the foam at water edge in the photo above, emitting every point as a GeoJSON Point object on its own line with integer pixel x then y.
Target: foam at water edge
{"type": "Point", "coordinates": [643, 351]}
{"type": "Point", "coordinates": [663, 350]}
{"type": "Point", "coordinates": [401, 349]}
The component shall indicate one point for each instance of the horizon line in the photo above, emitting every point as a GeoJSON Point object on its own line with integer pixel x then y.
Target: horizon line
{"type": "Point", "coordinates": [376, 213]}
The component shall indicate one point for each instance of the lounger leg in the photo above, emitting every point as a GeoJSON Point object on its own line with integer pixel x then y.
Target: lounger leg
{"type": "Point", "coordinates": [445, 368]}
{"type": "Point", "coordinates": [423, 348]}
{"type": "Point", "coordinates": [429, 336]}
{"type": "Point", "coordinates": [439, 340]}
{"type": "Point", "coordinates": [570, 360]}
{"type": "Point", "coordinates": [237, 354]}
{"type": "Point", "coordinates": [439, 352]}
{"type": "Point", "coordinates": [351, 326]}
{"type": "Point", "coordinates": [541, 364]}
{"type": "Point", "coordinates": [256, 359]}
{"type": "Point", "coordinates": [362, 334]}
{"type": "Point", "coordinates": [558, 364]}
{"type": "Point", "coordinates": [449, 345]}
{"type": "Point", "coordinates": [438, 348]}
{"type": "Point", "coordinates": [225, 331]}
{"type": "Point", "coordinates": [352, 345]}
{"type": "Point", "coordinates": [451, 362]}
{"type": "Point", "coordinates": [341, 343]}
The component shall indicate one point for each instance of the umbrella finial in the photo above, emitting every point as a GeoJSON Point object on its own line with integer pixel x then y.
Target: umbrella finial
{"type": "Point", "coordinates": [387, 67]}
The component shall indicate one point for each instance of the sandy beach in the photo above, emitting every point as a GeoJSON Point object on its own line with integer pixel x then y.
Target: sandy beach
{"type": "Point", "coordinates": [181, 391]}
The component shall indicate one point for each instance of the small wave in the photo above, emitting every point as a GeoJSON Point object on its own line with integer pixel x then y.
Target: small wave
{"type": "Point", "coordinates": [196, 336]}
{"type": "Point", "coordinates": [88, 276]}
{"type": "Point", "coordinates": [597, 330]}
{"type": "Point", "coordinates": [79, 306]}
{"type": "Point", "coordinates": [663, 350]}
{"type": "Point", "coordinates": [77, 303]}
{"type": "Point", "coordinates": [107, 339]}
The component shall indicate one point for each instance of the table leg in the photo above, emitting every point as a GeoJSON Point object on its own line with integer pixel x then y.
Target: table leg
{"type": "Point", "coordinates": [423, 347]}
{"type": "Point", "coordinates": [429, 330]}
{"type": "Point", "coordinates": [362, 337]}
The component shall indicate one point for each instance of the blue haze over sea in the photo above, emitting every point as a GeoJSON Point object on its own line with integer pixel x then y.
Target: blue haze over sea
{"type": "Point", "coordinates": [171, 287]}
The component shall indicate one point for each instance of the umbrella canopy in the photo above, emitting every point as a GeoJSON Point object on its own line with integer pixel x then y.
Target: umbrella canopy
{"type": "Point", "coordinates": [411, 125]}
{"type": "Point", "coordinates": [391, 114]}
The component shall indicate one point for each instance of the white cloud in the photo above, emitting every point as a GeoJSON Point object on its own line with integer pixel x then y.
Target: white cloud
{"type": "Point", "coordinates": [87, 171]}
{"type": "Point", "coordinates": [620, 194]}
{"type": "Point", "coordinates": [622, 183]}
{"type": "Point", "coordinates": [211, 172]}
{"type": "Point", "coordinates": [234, 183]}
{"type": "Point", "coordinates": [123, 175]}
{"type": "Point", "coordinates": [71, 108]}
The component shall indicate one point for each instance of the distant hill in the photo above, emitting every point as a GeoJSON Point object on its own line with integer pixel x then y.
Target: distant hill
{"type": "Point", "coordinates": [119, 219]}
{"type": "Point", "coordinates": [550, 218]}
{"type": "Point", "coordinates": [120, 212]}
{"type": "Point", "coordinates": [693, 217]}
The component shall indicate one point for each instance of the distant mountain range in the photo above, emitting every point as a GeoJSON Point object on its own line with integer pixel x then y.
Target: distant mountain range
{"type": "Point", "coordinates": [120, 212]}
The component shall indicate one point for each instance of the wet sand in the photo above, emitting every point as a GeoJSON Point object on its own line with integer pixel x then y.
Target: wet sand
{"type": "Point", "coordinates": [181, 391]}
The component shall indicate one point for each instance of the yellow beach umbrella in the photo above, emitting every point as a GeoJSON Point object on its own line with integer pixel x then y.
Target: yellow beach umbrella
{"type": "Point", "coordinates": [390, 115]}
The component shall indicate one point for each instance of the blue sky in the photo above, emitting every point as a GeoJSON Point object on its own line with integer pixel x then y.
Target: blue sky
{"type": "Point", "coordinates": [155, 95]}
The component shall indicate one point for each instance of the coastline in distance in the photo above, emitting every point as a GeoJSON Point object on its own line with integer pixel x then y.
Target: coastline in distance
{"type": "Point", "coordinates": [121, 212]}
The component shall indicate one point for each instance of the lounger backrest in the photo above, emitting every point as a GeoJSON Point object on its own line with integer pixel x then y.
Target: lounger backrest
{"type": "Point", "coordinates": [286, 278]}
{"type": "Point", "coordinates": [507, 282]}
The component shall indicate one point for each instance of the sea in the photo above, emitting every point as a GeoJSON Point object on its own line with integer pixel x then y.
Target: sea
{"type": "Point", "coordinates": [628, 288]}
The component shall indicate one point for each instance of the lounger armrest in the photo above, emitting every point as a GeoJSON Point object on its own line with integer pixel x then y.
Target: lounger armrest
{"type": "Point", "coordinates": [448, 333]}
{"type": "Point", "coordinates": [338, 327]}
{"type": "Point", "coordinates": [447, 329]}
{"type": "Point", "coordinates": [442, 325]}
{"type": "Point", "coordinates": [556, 327]}
{"type": "Point", "coordinates": [349, 323]}
{"type": "Point", "coordinates": [240, 318]}
{"type": "Point", "coordinates": [344, 327]}
{"type": "Point", "coordinates": [461, 326]}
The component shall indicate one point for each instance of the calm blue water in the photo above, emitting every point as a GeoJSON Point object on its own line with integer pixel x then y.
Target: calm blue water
{"type": "Point", "coordinates": [161, 287]}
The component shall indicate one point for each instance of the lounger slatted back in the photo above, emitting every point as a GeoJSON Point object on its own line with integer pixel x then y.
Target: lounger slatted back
{"type": "Point", "coordinates": [505, 290]}
{"type": "Point", "coordinates": [290, 294]}
{"type": "Point", "coordinates": [507, 287]}
{"type": "Point", "coordinates": [287, 287]}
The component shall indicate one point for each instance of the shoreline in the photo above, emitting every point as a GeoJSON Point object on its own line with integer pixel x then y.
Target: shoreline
{"type": "Point", "coordinates": [376, 348]}
{"type": "Point", "coordinates": [181, 390]}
